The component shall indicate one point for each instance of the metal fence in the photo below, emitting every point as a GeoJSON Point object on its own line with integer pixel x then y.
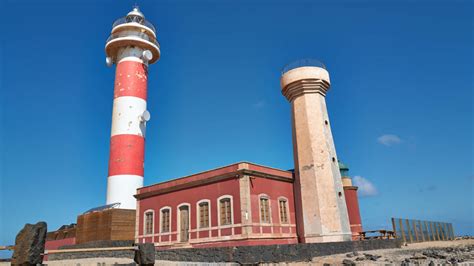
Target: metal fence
{"type": "Point", "coordinates": [420, 231]}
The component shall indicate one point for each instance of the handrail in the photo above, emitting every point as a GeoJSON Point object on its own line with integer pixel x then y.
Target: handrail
{"type": "Point", "coordinates": [302, 63]}
{"type": "Point", "coordinates": [123, 20]}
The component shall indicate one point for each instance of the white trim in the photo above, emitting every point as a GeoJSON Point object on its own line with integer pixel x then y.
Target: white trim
{"type": "Point", "coordinates": [260, 196]}
{"type": "Point", "coordinates": [137, 222]}
{"type": "Point", "coordinates": [129, 53]}
{"type": "Point", "coordinates": [152, 222]}
{"type": "Point", "coordinates": [131, 58]}
{"type": "Point", "coordinates": [219, 211]}
{"type": "Point", "coordinates": [198, 216]}
{"type": "Point", "coordinates": [287, 210]}
{"type": "Point", "coordinates": [178, 222]}
{"type": "Point", "coordinates": [217, 228]}
{"type": "Point", "coordinates": [161, 220]}
{"type": "Point", "coordinates": [228, 238]}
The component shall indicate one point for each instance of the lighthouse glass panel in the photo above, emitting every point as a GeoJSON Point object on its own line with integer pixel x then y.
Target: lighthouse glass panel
{"type": "Point", "coordinates": [149, 223]}
{"type": "Point", "coordinates": [203, 215]}
{"type": "Point", "coordinates": [225, 211]}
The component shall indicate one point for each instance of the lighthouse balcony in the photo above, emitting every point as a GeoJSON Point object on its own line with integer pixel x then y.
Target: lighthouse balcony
{"type": "Point", "coordinates": [132, 38]}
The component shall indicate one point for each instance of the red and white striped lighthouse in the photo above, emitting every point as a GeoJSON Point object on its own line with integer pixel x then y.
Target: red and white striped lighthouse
{"type": "Point", "coordinates": [132, 46]}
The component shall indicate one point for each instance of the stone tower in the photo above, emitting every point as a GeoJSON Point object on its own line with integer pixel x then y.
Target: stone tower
{"type": "Point", "coordinates": [321, 210]}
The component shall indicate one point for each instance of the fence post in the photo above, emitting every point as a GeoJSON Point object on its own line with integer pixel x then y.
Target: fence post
{"type": "Point", "coordinates": [434, 231]}
{"type": "Point", "coordinates": [421, 230]}
{"type": "Point", "coordinates": [402, 231]}
{"type": "Point", "coordinates": [440, 233]}
{"type": "Point", "coordinates": [427, 231]}
{"type": "Point", "coordinates": [415, 229]}
{"type": "Point", "coordinates": [394, 227]}
{"type": "Point", "coordinates": [448, 235]}
{"type": "Point", "coordinates": [452, 230]}
{"type": "Point", "coordinates": [444, 232]}
{"type": "Point", "coordinates": [409, 231]}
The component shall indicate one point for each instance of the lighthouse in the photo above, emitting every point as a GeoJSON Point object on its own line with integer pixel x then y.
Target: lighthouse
{"type": "Point", "coordinates": [321, 211]}
{"type": "Point", "coordinates": [132, 46]}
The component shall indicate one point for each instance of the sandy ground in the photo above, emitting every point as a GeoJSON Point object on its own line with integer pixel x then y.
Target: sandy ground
{"type": "Point", "coordinates": [412, 254]}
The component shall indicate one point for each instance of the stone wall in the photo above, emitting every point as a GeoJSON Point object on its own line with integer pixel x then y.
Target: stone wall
{"type": "Point", "coordinates": [101, 244]}
{"type": "Point", "coordinates": [129, 254]}
{"type": "Point", "coordinates": [95, 254]}
{"type": "Point", "coordinates": [273, 253]}
{"type": "Point", "coordinates": [246, 254]}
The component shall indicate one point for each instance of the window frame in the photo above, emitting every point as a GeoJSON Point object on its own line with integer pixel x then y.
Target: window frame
{"type": "Point", "coordinates": [198, 214]}
{"type": "Point", "coordinates": [265, 196]}
{"type": "Point", "coordinates": [152, 222]}
{"type": "Point", "coordinates": [231, 210]}
{"type": "Point", "coordinates": [287, 206]}
{"type": "Point", "coordinates": [170, 219]}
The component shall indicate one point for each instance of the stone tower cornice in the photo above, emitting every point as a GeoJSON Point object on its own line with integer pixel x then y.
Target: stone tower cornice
{"type": "Point", "coordinates": [304, 80]}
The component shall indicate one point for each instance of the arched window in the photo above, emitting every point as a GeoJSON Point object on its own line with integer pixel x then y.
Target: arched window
{"type": "Point", "coordinates": [149, 220]}
{"type": "Point", "coordinates": [283, 206]}
{"type": "Point", "coordinates": [203, 213]}
{"type": "Point", "coordinates": [225, 210]}
{"type": "Point", "coordinates": [165, 214]}
{"type": "Point", "coordinates": [265, 209]}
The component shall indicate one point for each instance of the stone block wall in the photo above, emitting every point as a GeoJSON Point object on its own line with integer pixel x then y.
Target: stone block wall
{"type": "Point", "coordinates": [244, 254]}
{"type": "Point", "coordinates": [273, 253]}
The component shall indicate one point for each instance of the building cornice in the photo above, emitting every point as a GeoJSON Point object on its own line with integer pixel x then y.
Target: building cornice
{"type": "Point", "coordinates": [242, 169]}
{"type": "Point", "coordinates": [300, 87]}
{"type": "Point", "coordinates": [351, 188]}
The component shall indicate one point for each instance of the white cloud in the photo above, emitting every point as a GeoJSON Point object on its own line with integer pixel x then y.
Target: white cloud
{"type": "Point", "coordinates": [389, 139]}
{"type": "Point", "coordinates": [260, 104]}
{"type": "Point", "coordinates": [366, 188]}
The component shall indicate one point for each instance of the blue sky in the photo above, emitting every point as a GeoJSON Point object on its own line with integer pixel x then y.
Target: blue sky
{"type": "Point", "coordinates": [401, 102]}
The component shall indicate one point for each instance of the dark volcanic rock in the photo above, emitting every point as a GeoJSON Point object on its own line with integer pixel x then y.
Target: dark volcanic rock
{"type": "Point", "coordinates": [145, 254]}
{"type": "Point", "coordinates": [29, 244]}
{"type": "Point", "coordinates": [371, 257]}
{"type": "Point", "coordinates": [348, 262]}
{"type": "Point", "coordinates": [417, 256]}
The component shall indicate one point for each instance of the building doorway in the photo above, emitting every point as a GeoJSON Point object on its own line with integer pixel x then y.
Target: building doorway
{"type": "Point", "coordinates": [184, 223]}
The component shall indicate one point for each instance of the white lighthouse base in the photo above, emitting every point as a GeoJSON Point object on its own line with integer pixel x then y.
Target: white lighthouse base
{"type": "Point", "coordinates": [121, 188]}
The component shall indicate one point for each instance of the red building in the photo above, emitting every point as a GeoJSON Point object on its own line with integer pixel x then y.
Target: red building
{"type": "Point", "coordinates": [239, 204]}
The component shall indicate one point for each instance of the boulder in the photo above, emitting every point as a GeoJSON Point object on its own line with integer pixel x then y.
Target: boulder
{"type": "Point", "coordinates": [29, 244]}
{"type": "Point", "coordinates": [145, 254]}
{"type": "Point", "coordinates": [348, 262]}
